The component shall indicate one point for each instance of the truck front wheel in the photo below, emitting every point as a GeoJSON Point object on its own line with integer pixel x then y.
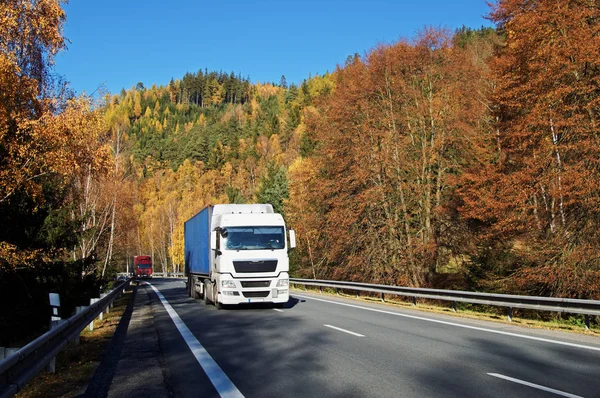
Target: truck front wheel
{"type": "Point", "coordinates": [216, 299]}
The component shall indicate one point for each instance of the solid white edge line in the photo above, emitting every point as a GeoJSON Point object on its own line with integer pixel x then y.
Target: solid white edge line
{"type": "Point", "coordinates": [345, 331]}
{"type": "Point", "coordinates": [277, 309]}
{"type": "Point", "coordinates": [218, 378]}
{"type": "Point", "coordinates": [528, 384]}
{"type": "Point", "coordinates": [523, 336]}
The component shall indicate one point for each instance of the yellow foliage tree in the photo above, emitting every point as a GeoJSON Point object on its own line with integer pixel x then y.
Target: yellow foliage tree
{"type": "Point", "coordinates": [30, 35]}
{"type": "Point", "coordinates": [137, 105]}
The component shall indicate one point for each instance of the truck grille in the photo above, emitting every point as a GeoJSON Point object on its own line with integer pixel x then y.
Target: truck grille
{"type": "Point", "coordinates": [256, 283]}
{"type": "Point", "coordinates": [256, 294]}
{"type": "Point", "coordinates": [255, 266]}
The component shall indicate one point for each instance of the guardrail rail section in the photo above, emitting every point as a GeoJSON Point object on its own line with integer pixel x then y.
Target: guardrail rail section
{"type": "Point", "coordinates": [17, 369]}
{"type": "Point", "coordinates": [552, 304]}
{"type": "Point", "coordinates": [168, 274]}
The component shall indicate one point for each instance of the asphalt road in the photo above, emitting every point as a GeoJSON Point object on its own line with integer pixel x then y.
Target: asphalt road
{"type": "Point", "coordinates": [323, 346]}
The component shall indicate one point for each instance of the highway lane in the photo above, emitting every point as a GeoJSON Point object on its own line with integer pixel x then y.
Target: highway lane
{"type": "Point", "coordinates": [330, 347]}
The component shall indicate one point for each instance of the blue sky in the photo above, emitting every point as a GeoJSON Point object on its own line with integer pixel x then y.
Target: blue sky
{"type": "Point", "coordinates": [115, 44]}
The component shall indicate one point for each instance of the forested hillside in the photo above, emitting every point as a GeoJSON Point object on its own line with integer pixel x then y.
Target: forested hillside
{"type": "Point", "coordinates": [208, 138]}
{"type": "Point", "coordinates": [465, 159]}
{"type": "Point", "coordinates": [458, 159]}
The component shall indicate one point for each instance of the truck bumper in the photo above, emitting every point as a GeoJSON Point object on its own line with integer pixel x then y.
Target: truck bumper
{"type": "Point", "coordinates": [275, 295]}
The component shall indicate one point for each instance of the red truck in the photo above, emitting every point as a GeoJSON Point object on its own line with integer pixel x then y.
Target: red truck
{"type": "Point", "coordinates": [142, 266]}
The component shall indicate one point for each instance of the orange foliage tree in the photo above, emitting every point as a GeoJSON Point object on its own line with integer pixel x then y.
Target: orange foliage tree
{"type": "Point", "coordinates": [541, 195]}
{"type": "Point", "coordinates": [47, 138]}
{"type": "Point", "coordinates": [399, 125]}
{"type": "Point", "coordinates": [31, 36]}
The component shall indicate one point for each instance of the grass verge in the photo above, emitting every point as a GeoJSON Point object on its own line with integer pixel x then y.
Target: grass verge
{"type": "Point", "coordinates": [493, 314]}
{"type": "Point", "coordinates": [76, 364]}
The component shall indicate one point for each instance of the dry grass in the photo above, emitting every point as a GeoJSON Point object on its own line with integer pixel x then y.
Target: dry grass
{"type": "Point", "coordinates": [76, 364]}
{"type": "Point", "coordinates": [465, 312]}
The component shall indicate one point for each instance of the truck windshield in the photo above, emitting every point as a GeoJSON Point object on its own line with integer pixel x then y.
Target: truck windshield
{"type": "Point", "coordinates": [253, 238]}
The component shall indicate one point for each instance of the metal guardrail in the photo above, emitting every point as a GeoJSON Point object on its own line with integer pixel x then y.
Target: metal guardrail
{"type": "Point", "coordinates": [17, 369]}
{"type": "Point", "coordinates": [553, 304]}
{"type": "Point", "coordinates": [168, 274]}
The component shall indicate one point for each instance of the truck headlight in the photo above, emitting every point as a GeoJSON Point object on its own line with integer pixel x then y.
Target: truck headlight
{"type": "Point", "coordinates": [228, 284]}
{"type": "Point", "coordinates": [283, 283]}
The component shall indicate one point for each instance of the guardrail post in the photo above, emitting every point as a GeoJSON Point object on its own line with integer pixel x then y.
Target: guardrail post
{"type": "Point", "coordinates": [587, 322]}
{"type": "Point", "coordinates": [337, 291]}
{"type": "Point", "coordinates": [10, 351]}
{"type": "Point", "coordinates": [383, 297]}
{"type": "Point", "coordinates": [358, 294]}
{"type": "Point", "coordinates": [54, 299]}
{"type": "Point", "coordinates": [101, 315]}
{"type": "Point", "coordinates": [510, 314]}
{"type": "Point", "coordinates": [454, 306]}
{"type": "Point", "coordinates": [92, 301]}
{"type": "Point", "coordinates": [415, 301]}
{"type": "Point", "coordinates": [78, 309]}
{"type": "Point", "coordinates": [51, 367]}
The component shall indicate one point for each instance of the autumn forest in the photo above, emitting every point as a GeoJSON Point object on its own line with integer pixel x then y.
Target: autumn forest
{"type": "Point", "coordinates": [465, 159]}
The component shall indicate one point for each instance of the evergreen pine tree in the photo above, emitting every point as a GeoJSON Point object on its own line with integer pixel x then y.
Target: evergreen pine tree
{"type": "Point", "coordinates": [274, 187]}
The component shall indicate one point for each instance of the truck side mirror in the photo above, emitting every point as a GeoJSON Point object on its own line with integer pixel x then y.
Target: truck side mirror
{"type": "Point", "coordinates": [292, 239]}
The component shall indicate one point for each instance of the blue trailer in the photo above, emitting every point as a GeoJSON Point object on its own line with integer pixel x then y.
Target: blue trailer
{"type": "Point", "coordinates": [196, 232]}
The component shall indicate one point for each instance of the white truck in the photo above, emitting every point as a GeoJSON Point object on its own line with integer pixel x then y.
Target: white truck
{"type": "Point", "coordinates": [237, 254]}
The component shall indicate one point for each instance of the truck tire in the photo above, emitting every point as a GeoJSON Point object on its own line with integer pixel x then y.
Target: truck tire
{"type": "Point", "coordinates": [193, 293]}
{"type": "Point", "coordinates": [206, 299]}
{"type": "Point", "coordinates": [216, 301]}
{"type": "Point", "coordinates": [201, 295]}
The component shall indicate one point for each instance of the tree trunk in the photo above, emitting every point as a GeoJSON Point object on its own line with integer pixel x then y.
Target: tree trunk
{"type": "Point", "coordinates": [109, 251]}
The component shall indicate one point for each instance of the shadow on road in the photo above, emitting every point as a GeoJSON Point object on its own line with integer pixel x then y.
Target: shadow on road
{"type": "Point", "coordinates": [264, 353]}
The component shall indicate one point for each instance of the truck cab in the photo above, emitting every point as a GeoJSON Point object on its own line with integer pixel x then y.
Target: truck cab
{"type": "Point", "coordinates": [142, 266]}
{"type": "Point", "coordinates": [247, 255]}
{"type": "Point", "coordinates": [251, 258]}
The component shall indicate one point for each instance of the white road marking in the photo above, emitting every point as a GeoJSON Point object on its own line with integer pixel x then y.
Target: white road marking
{"type": "Point", "coordinates": [218, 378]}
{"type": "Point", "coordinates": [528, 384]}
{"type": "Point", "coordinates": [277, 309]}
{"type": "Point", "coordinates": [345, 331]}
{"type": "Point", "coordinates": [523, 336]}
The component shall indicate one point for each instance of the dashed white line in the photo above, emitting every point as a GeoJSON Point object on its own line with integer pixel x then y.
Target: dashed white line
{"type": "Point", "coordinates": [345, 331]}
{"type": "Point", "coordinates": [528, 384]}
{"type": "Point", "coordinates": [218, 378]}
{"type": "Point", "coordinates": [277, 309]}
{"type": "Point", "coordinates": [523, 336]}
